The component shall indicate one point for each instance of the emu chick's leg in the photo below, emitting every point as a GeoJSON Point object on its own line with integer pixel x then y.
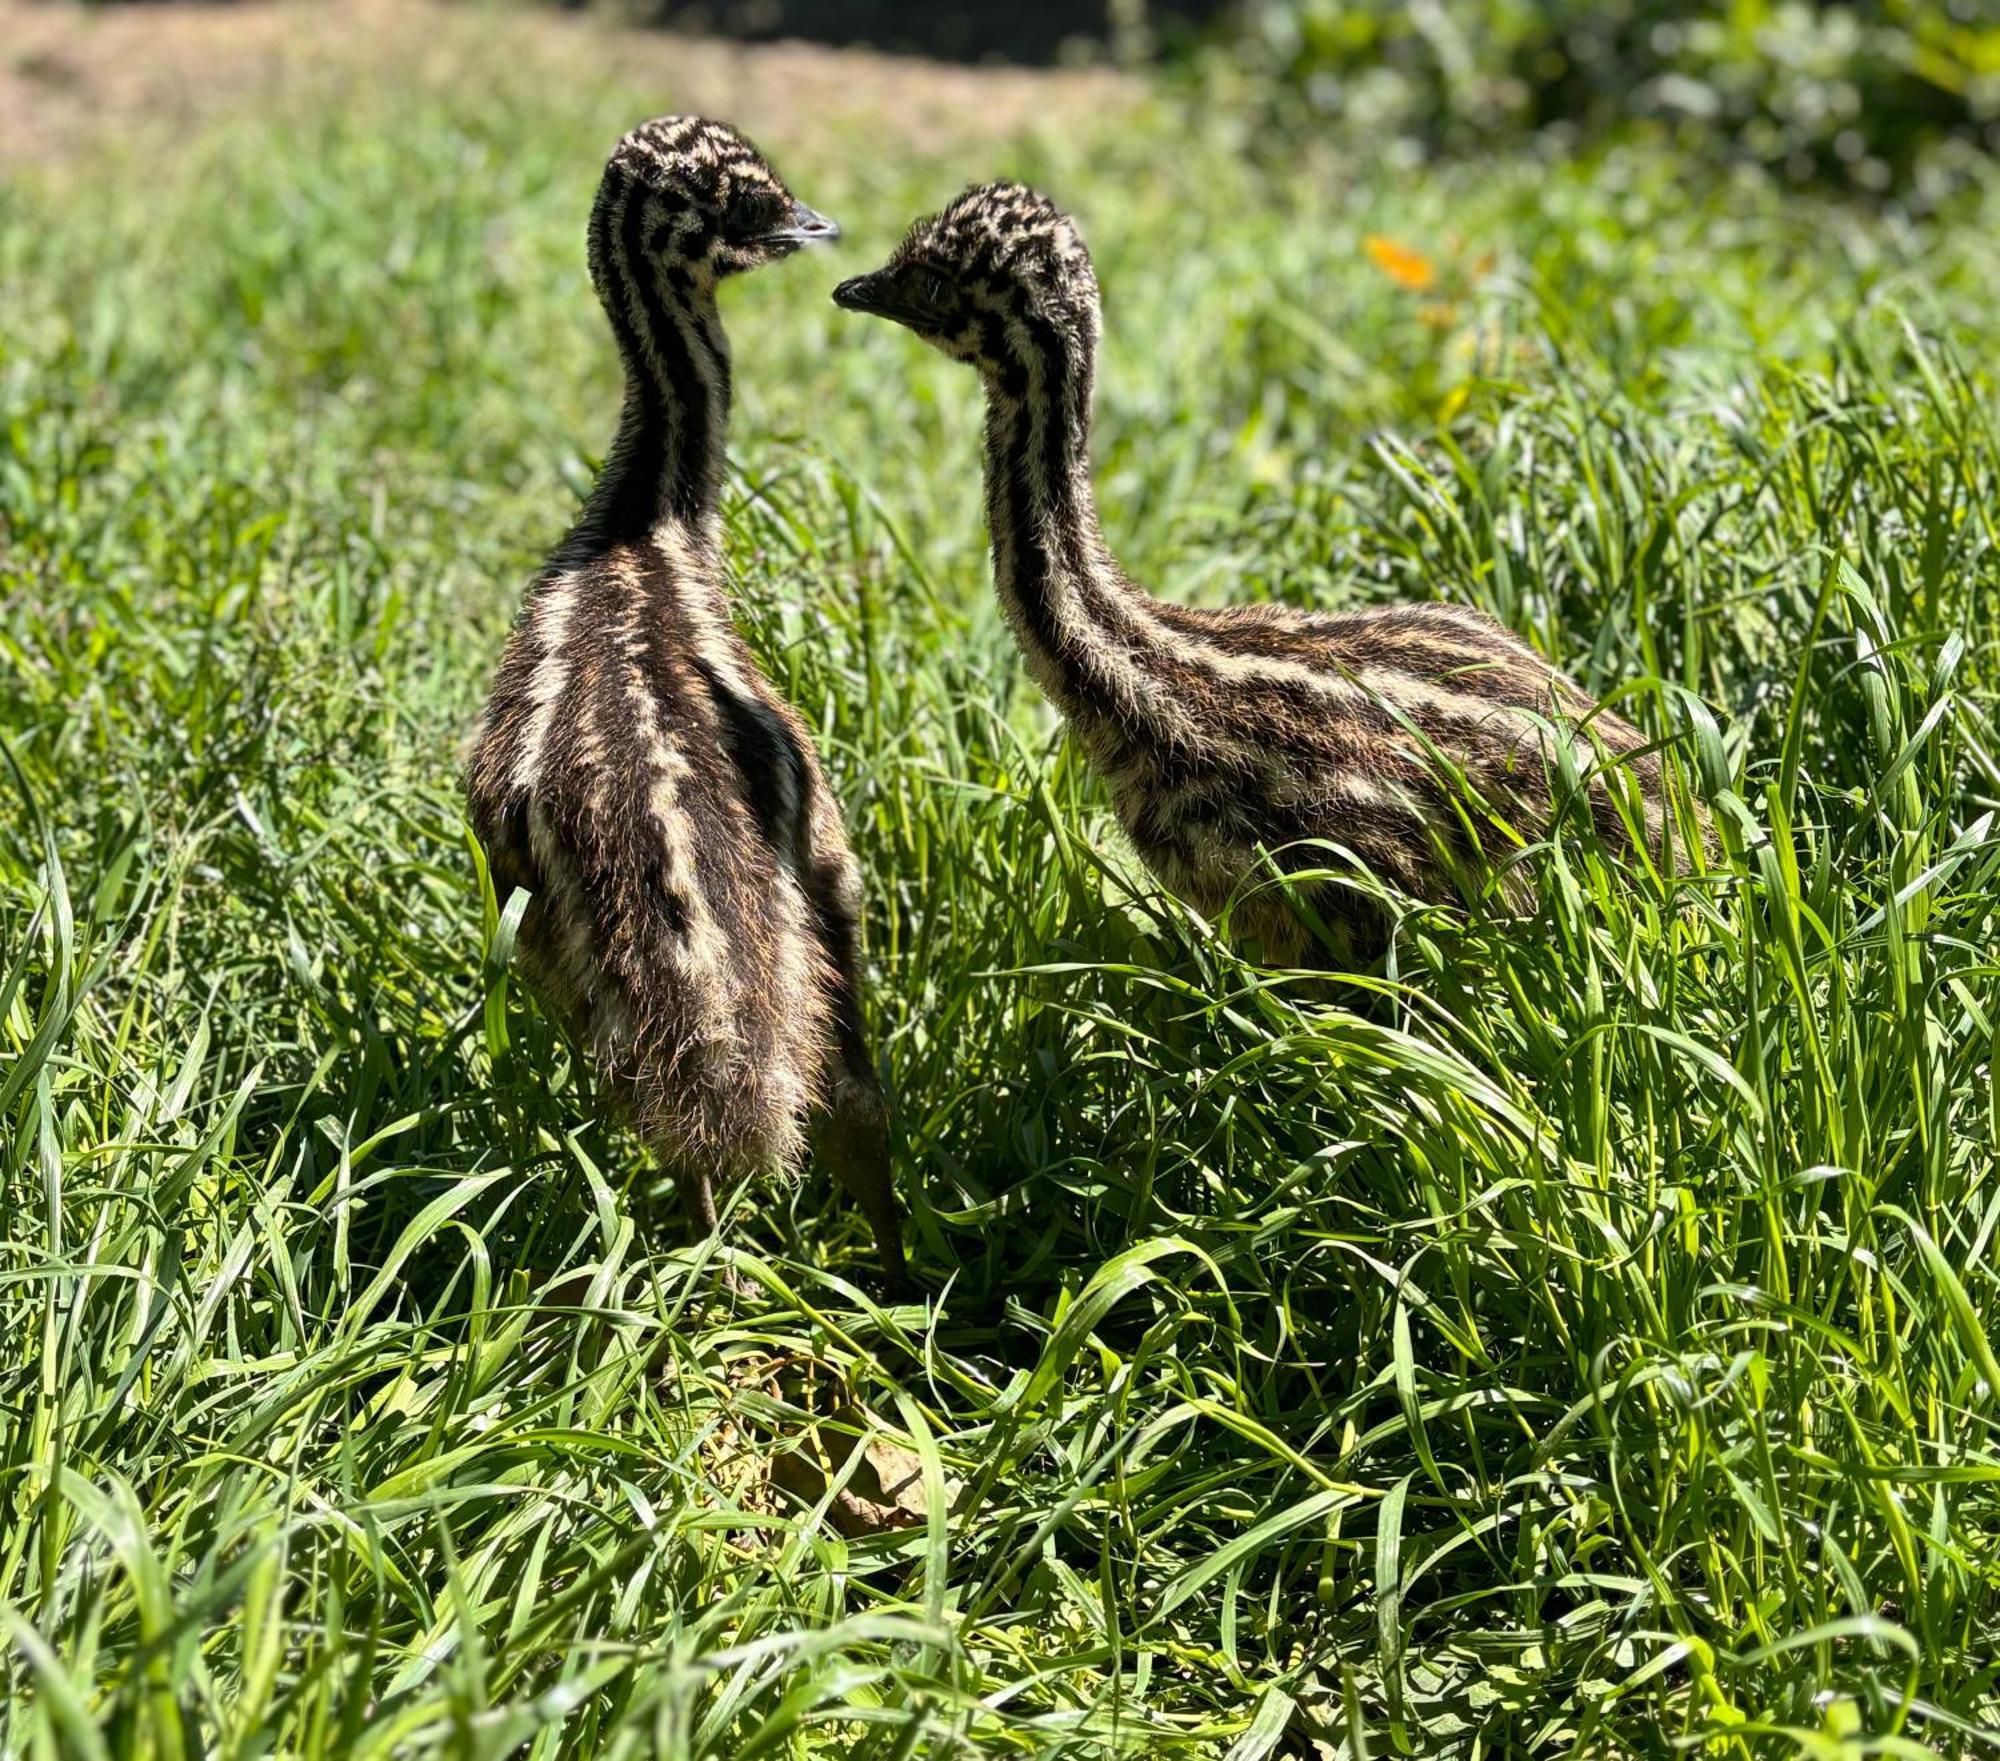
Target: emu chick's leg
{"type": "Point", "coordinates": [697, 1193]}
{"type": "Point", "coordinates": [853, 1137]}
{"type": "Point", "coordinates": [853, 1141]}
{"type": "Point", "coordinates": [698, 1200]}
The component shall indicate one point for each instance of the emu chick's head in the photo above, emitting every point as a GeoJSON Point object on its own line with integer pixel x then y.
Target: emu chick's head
{"type": "Point", "coordinates": [998, 278]}
{"type": "Point", "coordinates": [688, 201]}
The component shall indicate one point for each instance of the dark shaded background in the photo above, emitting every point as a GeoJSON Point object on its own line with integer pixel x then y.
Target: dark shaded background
{"type": "Point", "coordinates": [1034, 31]}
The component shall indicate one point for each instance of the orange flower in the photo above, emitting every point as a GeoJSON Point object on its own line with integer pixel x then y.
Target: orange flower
{"type": "Point", "coordinates": [1403, 266]}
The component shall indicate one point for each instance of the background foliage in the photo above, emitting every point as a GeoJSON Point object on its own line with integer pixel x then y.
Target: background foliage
{"type": "Point", "coordinates": [1577, 1337]}
{"type": "Point", "coordinates": [1871, 94]}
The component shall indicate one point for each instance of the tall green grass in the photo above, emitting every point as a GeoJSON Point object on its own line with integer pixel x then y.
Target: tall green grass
{"type": "Point", "coordinates": [1577, 1337]}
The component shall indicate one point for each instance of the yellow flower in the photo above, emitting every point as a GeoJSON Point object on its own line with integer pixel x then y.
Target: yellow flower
{"type": "Point", "coordinates": [1403, 266]}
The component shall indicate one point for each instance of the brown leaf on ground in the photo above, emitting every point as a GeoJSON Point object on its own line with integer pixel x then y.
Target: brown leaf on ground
{"type": "Point", "coordinates": [792, 1430]}
{"type": "Point", "coordinates": [885, 1490]}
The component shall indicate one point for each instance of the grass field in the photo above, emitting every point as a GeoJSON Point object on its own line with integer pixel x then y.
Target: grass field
{"type": "Point", "coordinates": [1577, 1338]}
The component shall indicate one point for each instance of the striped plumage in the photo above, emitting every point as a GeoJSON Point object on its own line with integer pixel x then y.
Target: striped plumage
{"type": "Point", "coordinates": [1226, 733]}
{"type": "Point", "coordinates": [694, 903]}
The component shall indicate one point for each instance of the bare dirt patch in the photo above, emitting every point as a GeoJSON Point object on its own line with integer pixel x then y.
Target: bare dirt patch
{"type": "Point", "coordinates": [71, 74]}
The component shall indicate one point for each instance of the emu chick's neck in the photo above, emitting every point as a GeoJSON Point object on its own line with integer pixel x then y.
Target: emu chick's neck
{"type": "Point", "coordinates": [665, 465]}
{"type": "Point", "coordinates": [1083, 627]}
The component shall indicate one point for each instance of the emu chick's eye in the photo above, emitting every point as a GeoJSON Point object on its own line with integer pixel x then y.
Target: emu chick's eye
{"type": "Point", "coordinates": [935, 287]}
{"type": "Point", "coordinates": [748, 216]}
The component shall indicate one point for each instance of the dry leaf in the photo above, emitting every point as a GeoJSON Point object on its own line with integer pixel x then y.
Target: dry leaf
{"type": "Point", "coordinates": [885, 1490]}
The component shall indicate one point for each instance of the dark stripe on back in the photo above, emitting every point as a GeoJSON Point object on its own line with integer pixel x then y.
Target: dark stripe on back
{"type": "Point", "coordinates": [767, 757]}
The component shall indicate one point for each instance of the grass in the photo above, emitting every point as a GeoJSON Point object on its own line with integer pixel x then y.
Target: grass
{"type": "Point", "coordinates": [1577, 1338]}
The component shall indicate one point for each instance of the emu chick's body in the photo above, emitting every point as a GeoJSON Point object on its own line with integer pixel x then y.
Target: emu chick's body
{"type": "Point", "coordinates": [1231, 733]}
{"type": "Point", "coordinates": [694, 905]}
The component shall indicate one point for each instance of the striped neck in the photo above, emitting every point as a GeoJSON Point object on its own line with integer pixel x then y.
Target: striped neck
{"type": "Point", "coordinates": [1082, 625]}
{"type": "Point", "coordinates": [665, 464]}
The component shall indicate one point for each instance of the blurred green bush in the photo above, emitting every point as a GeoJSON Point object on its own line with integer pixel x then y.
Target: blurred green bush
{"type": "Point", "coordinates": [1876, 94]}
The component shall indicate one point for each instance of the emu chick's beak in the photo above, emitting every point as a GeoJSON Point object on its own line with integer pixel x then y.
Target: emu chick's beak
{"type": "Point", "coordinates": [886, 294]}
{"type": "Point", "coordinates": [864, 293]}
{"type": "Point", "coordinates": [806, 227]}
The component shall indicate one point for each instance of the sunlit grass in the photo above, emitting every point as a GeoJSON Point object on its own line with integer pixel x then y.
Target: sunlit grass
{"type": "Point", "coordinates": [1578, 1336]}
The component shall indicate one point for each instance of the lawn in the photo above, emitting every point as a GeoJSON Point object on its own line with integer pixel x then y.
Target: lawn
{"type": "Point", "coordinates": [1576, 1335]}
